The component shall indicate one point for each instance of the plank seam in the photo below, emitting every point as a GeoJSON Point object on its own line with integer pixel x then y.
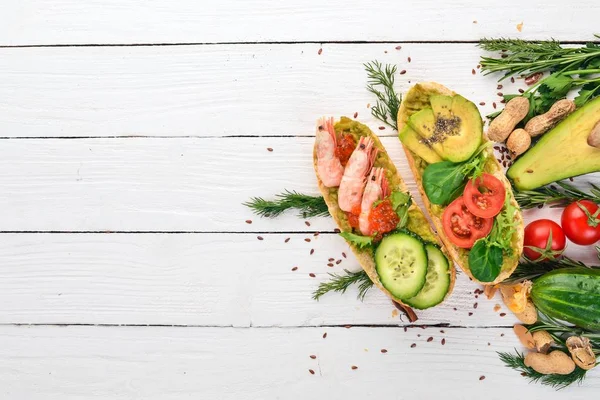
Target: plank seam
{"type": "Point", "coordinates": [399, 326]}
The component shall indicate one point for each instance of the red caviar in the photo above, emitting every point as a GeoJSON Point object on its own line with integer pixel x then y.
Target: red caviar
{"type": "Point", "coordinates": [345, 146]}
{"type": "Point", "coordinates": [353, 217]}
{"type": "Point", "coordinates": [383, 218]}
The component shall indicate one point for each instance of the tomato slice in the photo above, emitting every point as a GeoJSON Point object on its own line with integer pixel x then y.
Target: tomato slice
{"type": "Point", "coordinates": [486, 203]}
{"type": "Point", "coordinates": [462, 227]}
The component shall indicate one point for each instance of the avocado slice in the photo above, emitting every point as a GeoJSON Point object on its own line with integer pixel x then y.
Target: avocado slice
{"type": "Point", "coordinates": [417, 145]}
{"type": "Point", "coordinates": [452, 127]}
{"type": "Point", "coordinates": [561, 153]}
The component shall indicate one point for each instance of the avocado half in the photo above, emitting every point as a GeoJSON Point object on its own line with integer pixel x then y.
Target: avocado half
{"type": "Point", "coordinates": [561, 153]}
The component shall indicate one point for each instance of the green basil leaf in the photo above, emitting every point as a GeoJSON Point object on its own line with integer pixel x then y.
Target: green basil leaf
{"type": "Point", "coordinates": [360, 241]}
{"type": "Point", "coordinates": [485, 261]}
{"type": "Point", "coordinates": [443, 182]}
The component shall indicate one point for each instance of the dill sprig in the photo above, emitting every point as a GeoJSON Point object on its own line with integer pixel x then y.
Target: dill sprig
{"type": "Point", "coordinates": [340, 283]}
{"type": "Point", "coordinates": [558, 195]}
{"type": "Point", "coordinates": [388, 101]}
{"type": "Point", "coordinates": [309, 206]}
{"type": "Point", "coordinates": [516, 361]}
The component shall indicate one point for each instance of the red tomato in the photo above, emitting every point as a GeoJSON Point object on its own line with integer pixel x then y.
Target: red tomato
{"type": "Point", "coordinates": [486, 203]}
{"type": "Point", "coordinates": [538, 244]}
{"type": "Point", "coordinates": [579, 226]}
{"type": "Point", "coordinates": [463, 228]}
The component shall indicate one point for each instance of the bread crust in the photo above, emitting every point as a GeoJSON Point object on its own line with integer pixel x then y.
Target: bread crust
{"type": "Point", "coordinates": [403, 114]}
{"type": "Point", "coordinates": [365, 257]}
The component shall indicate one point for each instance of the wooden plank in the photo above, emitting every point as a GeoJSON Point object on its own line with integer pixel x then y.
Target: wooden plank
{"type": "Point", "coordinates": [207, 280]}
{"type": "Point", "coordinates": [47, 362]}
{"type": "Point", "coordinates": [266, 90]}
{"type": "Point", "coordinates": [40, 22]}
{"type": "Point", "coordinates": [149, 184]}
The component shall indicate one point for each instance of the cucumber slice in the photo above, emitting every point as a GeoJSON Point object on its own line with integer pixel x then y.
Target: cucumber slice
{"type": "Point", "coordinates": [437, 281]}
{"type": "Point", "coordinates": [401, 263]}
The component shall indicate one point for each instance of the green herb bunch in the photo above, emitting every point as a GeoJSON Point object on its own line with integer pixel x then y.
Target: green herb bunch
{"type": "Point", "coordinates": [381, 84]}
{"type": "Point", "coordinates": [569, 68]}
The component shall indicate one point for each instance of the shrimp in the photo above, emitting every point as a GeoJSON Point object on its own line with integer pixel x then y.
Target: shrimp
{"type": "Point", "coordinates": [354, 179]}
{"type": "Point", "coordinates": [329, 167]}
{"type": "Point", "coordinates": [376, 189]}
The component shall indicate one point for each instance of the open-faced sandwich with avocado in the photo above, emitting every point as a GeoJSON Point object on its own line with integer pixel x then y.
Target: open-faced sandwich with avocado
{"type": "Point", "coordinates": [387, 232]}
{"type": "Point", "coordinates": [464, 188]}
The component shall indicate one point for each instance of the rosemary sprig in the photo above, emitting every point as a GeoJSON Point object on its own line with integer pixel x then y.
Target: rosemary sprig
{"type": "Point", "coordinates": [517, 362]}
{"type": "Point", "coordinates": [309, 206]}
{"type": "Point", "coordinates": [558, 194]}
{"type": "Point", "coordinates": [529, 270]}
{"type": "Point", "coordinates": [388, 101]}
{"type": "Point", "coordinates": [340, 283]}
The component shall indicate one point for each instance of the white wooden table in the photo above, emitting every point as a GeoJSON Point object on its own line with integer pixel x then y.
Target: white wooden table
{"type": "Point", "coordinates": [132, 131]}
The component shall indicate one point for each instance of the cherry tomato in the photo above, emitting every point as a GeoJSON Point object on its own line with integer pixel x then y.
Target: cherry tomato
{"type": "Point", "coordinates": [539, 245]}
{"type": "Point", "coordinates": [463, 228]}
{"type": "Point", "coordinates": [486, 203]}
{"type": "Point", "coordinates": [579, 226]}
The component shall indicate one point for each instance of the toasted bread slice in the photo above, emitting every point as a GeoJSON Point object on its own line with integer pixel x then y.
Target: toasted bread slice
{"type": "Point", "coordinates": [417, 224]}
{"type": "Point", "coordinates": [416, 99]}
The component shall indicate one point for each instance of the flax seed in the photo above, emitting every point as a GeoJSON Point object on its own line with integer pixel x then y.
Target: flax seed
{"type": "Point", "coordinates": [337, 230]}
{"type": "Point", "coordinates": [354, 367]}
{"type": "Point", "coordinates": [343, 254]}
{"type": "Point", "coordinates": [502, 314]}
{"type": "Point", "coordinates": [248, 221]}
{"type": "Point", "coordinates": [324, 335]}
{"type": "Point", "coordinates": [320, 51]}
{"type": "Point", "coordinates": [330, 264]}
{"type": "Point", "coordinates": [312, 251]}
{"type": "Point", "coordinates": [412, 346]}
{"type": "Point", "coordinates": [307, 240]}
{"type": "Point", "coordinates": [499, 87]}
{"type": "Point", "coordinates": [521, 91]}
{"type": "Point", "coordinates": [295, 269]}
{"type": "Point", "coordinates": [442, 331]}
{"type": "Point", "coordinates": [502, 335]}
{"type": "Point", "coordinates": [312, 275]}
{"type": "Point", "coordinates": [500, 94]}
{"type": "Point", "coordinates": [494, 105]}
{"type": "Point", "coordinates": [331, 259]}
{"type": "Point", "coordinates": [398, 47]}
{"type": "Point", "coordinates": [409, 59]}
{"type": "Point", "coordinates": [512, 79]}
{"type": "Point", "coordinates": [430, 339]}
{"type": "Point", "coordinates": [260, 238]}
{"type": "Point", "coordinates": [381, 128]}
{"type": "Point", "coordinates": [405, 329]}
{"type": "Point", "coordinates": [473, 71]}
{"type": "Point", "coordinates": [475, 305]}
{"type": "Point", "coordinates": [338, 262]}
{"type": "Point", "coordinates": [269, 149]}
{"type": "Point", "coordinates": [443, 341]}
{"type": "Point", "coordinates": [311, 371]}
{"type": "Point", "coordinates": [355, 114]}
{"type": "Point", "coordinates": [383, 351]}
{"type": "Point", "coordinates": [482, 377]}
{"type": "Point", "coordinates": [470, 314]}
{"type": "Point", "coordinates": [287, 240]}
{"type": "Point", "coordinates": [306, 223]}
{"type": "Point", "coordinates": [402, 72]}
{"type": "Point", "coordinates": [313, 357]}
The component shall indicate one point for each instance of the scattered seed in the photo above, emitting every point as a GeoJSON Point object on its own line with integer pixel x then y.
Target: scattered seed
{"type": "Point", "coordinates": [354, 367]}
{"type": "Point", "coordinates": [295, 269]}
{"type": "Point", "coordinates": [313, 357]}
{"type": "Point", "coordinates": [412, 346]}
{"type": "Point", "coordinates": [402, 72]}
{"type": "Point", "coordinates": [316, 234]}
{"type": "Point", "coordinates": [442, 331]}
{"type": "Point", "coordinates": [499, 87]}
{"type": "Point", "coordinates": [383, 351]}
{"type": "Point", "coordinates": [571, 179]}
{"type": "Point", "coordinates": [478, 66]}
{"type": "Point", "coordinates": [312, 251]}
{"type": "Point", "coordinates": [330, 264]}
{"type": "Point", "coordinates": [405, 329]}
{"type": "Point", "coordinates": [338, 262]}
{"type": "Point", "coordinates": [500, 94]}
{"type": "Point", "coordinates": [343, 254]}
{"type": "Point", "coordinates": [270, 149]}
{"type": "Point", "coordinates": [523, 373]}
{"type": "Point", "coordinates": [331, 259]}
{"type": "Point", "coordinates": [355, 114]}
{"type": "Point", "coordinates": [489, 344]}
{"type": "Point", "coordinates": [443, 341]}
{"type": "Point", "coordinates": [312, 275]}
{"type": "Point", "coordinates": [476, 296]}
{"type": "Point", "coordinates": [521, 91]}
{"type": "Point", "coordinates": [381, 128]}
{"type": "Point", "coordinates": [307, 240]}
{"type": "Point", "coordinates": [287, 240]}
{"type": "Point", "coordinates": [418, 335]}
{"type": "Point", "coordinates": [512, 79]}
{"type": "Point", "coordinates": [248, 221]}
{"type": "Point", "coordinates": [337, 230]}
{"type": "Point", "coordinates": [430, 339]}
{"type": "Point", "coordinates": [398, 47]}
{"type": "Point", "coordinates": [475, 305]}
{"type": "Point", "coordinates": [260, 238]}
{"type": "Point", "coordinates": [347, 326]}
{"type": "Point", "coordinates": [502, 314]}
{"type": "Point", "coordinates": [470, 314]}
{"type": "Point", "coordinates": [473, 71]}
{"type": "Point", "coordinates": [482, 377]}
{"type": "Point", "coordinates": [409, 59]}
{"type": "Point", "coordinates": [324, 335]}
{"type": "Point", "coordinates": [306, 223]}
{"type": "Point", "coordinates": [385, 51]}
{"type": "Point", "coordinates": [502, 335]}
{"type": "Point", "coordinates": [454, 308]}
{"type": "Point", "coordinates": [311, 371]}
{"type": "Point", "coordinates": [320, 51]}
{"type": "Point", "coordinates": [504, 164]}
{"type": "Point", "coordinates": [482, 103]}
{"type": "Point", "coordinates": [494, 105]}
{"type": "Point", "coordinates": [474, 22]}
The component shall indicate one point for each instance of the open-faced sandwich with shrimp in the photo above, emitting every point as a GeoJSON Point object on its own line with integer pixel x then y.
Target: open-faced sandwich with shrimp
{"type": "Point", "coordinates": [464, 188]}
{"type": "Point", "coordinates": [368, 200]}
